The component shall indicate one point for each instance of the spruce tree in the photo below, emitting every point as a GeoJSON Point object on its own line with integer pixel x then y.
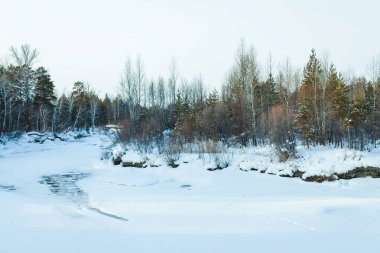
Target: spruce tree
{"type": "Point", "coordinates": [308, 118]}
{"type": "Point", "coordinates": [269, 93]}
{"type": "Point", "coordinates": [303, 122]}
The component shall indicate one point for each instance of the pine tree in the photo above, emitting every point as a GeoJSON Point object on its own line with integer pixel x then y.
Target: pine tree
{"type": "Point", "coordinates": [79, 90]}
{"type": "Point", "coordinates": [44, 98]}
{"type": "Point", "coordinates": [44, 89]}
{"type": "Point", "coordinates": [81, 105]}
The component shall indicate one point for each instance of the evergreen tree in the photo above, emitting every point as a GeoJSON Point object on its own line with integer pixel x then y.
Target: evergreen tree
{"type": "Point", "coordinates": [44, 89]}
{"type": "Point", "coordinates": [81, 106]}
{"type": "Point", "coordinates": [63, 115]}
{"type": "Point", "coordinates": [336, 105]}
{"type": "Point", "coordinates": [358, 118]}
{"type": "Point", "coordinates": [79, 90]}
{"type": "Point", "coordinates": [44, 98]}
{"type": "Point", "coordinates": [212, 98]}
{"type": "Point", "coordinates": [308, 118]}
{"type": "Point", "coordinates": [303, 122]}
{"type": "Point", "coordinates": [238, 108]}
{"type": "Point", "coordinates": [270, 96]}
{"type": "Point", "coordinates": [105, 111]}
{"type": "Point", "coordinates": [178, 113]}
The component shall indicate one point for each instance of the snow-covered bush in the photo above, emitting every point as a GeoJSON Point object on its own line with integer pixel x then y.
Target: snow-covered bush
{"type": "Point", "coordinates": [117, 153]}
{"type": "Point", "coordinates": [222, 160]}
{"type": "Point", "coordinates": [172, 153]}
{"type": "Point", "coordinates": [132, 159]}
{"type": "Point", "coordinates": [215, 152]}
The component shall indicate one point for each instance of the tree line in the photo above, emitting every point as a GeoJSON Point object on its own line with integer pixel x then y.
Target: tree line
{"type": "Point", "coordinates": [29, 101]}
{"type": "Point", "coordinates": [255, 105]}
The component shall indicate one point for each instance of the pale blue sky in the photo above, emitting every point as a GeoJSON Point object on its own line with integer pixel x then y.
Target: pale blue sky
{"type": "Point", "coordinates": [90, 40]}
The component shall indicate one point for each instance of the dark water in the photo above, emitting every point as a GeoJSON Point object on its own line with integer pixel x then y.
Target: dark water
{"type": "Point", "coordinates": [65, 185]}
{"type": "Point", "coordinates": [8, 188]}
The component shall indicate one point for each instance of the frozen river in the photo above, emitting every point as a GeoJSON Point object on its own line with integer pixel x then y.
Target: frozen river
{"type": "Point", "coordinates": [60, 197]}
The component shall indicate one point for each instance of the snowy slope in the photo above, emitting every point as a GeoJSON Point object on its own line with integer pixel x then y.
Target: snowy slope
{"type": "Point", "coordinates": [313, 161]}
{"type": "Point", "coordinates": [65, 199]}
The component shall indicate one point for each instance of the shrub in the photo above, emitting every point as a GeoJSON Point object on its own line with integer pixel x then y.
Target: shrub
{"type": "Point", "coordinates": [171, 153]}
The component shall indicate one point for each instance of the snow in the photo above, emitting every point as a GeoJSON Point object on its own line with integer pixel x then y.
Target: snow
{"type": "Point", "coordinates": [313, 161]}
{"type": "Point", "coordinates": [60, 197]}
{"type": "Point", "coordinates": [132, 157]}
{"type": "Point", "coordinates": [118, 151]}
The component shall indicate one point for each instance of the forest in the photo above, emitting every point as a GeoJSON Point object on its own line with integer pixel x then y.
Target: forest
{"type": "Point", "coordinates": [255, 105]}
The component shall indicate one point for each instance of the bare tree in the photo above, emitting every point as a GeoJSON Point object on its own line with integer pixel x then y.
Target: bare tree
{"type": "Point", "coordinates": [94, 101]}
{"type": "Point", "coordinates": [25, 58]}
{"type": "Point", "coordinates": [152, 94]}
{"type": "Point", "coordinates": [140, 81]}
{"type": "Point", "coordinates": [70, 108]}
{"type": "Point", "coordinates": [251, 81]}
{"type": "Point", "coordinates": [285, 81]}
{"type": "Point", "coordinates": [6, 89]}
{"type": "Point", "coordinates": [288, 79]}
{"type": "Point", "coordinates": [26, 55]}
{"type": "Point", "coordinates": [172, 82]}
{"type": "Point", "coordinates": [373, 70]}
{"type": "Point", "coordinates": [161, 92]}
{"type": "Point", "coordinates": [325, 65]}
{"type": "Point", "coordinates": [199, 89]}
{"type": "Point", "coordinates": [128, 88]}
{"type": "Point", "coordinates": [240, 89]}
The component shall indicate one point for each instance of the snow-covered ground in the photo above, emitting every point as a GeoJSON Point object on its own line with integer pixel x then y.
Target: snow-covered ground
{"type": "Point", "coordinates": [314, 161]}
{"type": "Point", "coordinates": [60, 197]}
